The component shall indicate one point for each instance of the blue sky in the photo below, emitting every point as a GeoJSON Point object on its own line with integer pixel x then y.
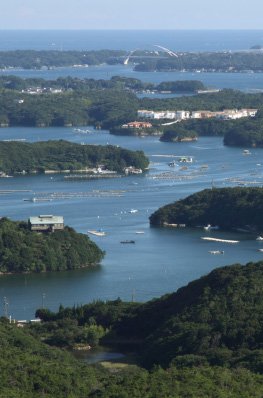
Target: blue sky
{"type": "Point", "coordinates": [131, 14]}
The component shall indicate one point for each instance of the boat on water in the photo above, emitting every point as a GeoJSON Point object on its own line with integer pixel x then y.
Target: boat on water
{"type": "Point", "coordinates": [186, 159]}
{"type": "Point", "coordinates": [96, 233]}
{"type": "Point", "coordinates": [246, 152]}
{"type": "Point", "coordinates": [35, 199]}
{"type": "Point", "coordinates": [219, 240]}
{"type": "Point", "coordinates": [133, 211]}
{"type": "Point", "coordinates": [127, 241]}
{"type": "Point", "coordinates": [216, 252]}
{"type": "Point", "coordinates": [172, 164]}
{"type": "Point", "coordinates": [139, 232]}
{"type": "Point", "coordinates": [209, 227]}
{"type": "Point", "coordinates": [260, 250]}
{"type": "Point", "coordinates": [259, 238]}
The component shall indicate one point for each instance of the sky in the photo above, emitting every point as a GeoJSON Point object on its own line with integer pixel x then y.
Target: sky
{"type": "Point", "coordinates": [131, 14]}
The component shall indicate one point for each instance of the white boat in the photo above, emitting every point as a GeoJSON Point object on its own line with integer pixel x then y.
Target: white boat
{"type": "Point", "coordinates": [260, 250]}
{"type": "Point", "coordinates": [96, 233]}
{"type": "Point", "coordinates": [133, 211]}
{"type": "Point", "coordinates": [139, 232]}
{"type": "Point", "coordinates": [246, 152]}
{"type": "Point", "coordinates": [209, 227]}
{"type": "Point", "coordinates": [186, 159]}
{"type": "Point", "coordinates": [259, 238]}
{"type": "Point", "coordinates": [216, 251]}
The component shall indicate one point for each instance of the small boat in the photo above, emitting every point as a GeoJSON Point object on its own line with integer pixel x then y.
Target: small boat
{"type": "Point", "coordinates": [133, 211]}
{"type": "Point", "coordinates": [139, 232]}
{"type": "Point", "coordinates": [127, 241]}
{"type": "Point", "coordinates": [209, 227]}
{"type": "Point", "coordinates": [186, 159]}
{"type": "Point", "coordinates": [216, 252]}
{"type": "Point", "coordinates": [259, 238]}
{"type": "Point", "coordinates": [246, 152]}
{"type": "Point", "coordinates": [260, 250]}
{"type": "Point", "coordinates": [172, 164]}
{"type": "Point", "coordinates": [96, 233]}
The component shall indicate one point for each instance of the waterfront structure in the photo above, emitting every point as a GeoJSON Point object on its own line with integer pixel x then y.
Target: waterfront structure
{"type": "Point", "coordinates": [46, 223]}
{"type": "Point", "coordinates": [137, 125]}
{"type": "Point", "coordinates": [226, 114]}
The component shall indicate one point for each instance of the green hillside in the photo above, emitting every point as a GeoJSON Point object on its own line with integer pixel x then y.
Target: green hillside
{"type": "Point", "coordinates": [226, 207]}
{"type": "Point", "coordinates": [22, 250]}
{"type": "Point", "coordinates": [16, 157]}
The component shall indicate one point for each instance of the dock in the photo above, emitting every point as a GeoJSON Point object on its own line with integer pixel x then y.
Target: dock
{"type": "Point", "coordinates": [219, 240]}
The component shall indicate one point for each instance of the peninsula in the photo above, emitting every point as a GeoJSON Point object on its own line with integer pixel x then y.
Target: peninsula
{"type": "Point", "coordinates": [228, 208]}
{"type": "Point", "coordinates": [64, 156]}
{"type": "Point", "coordinates": [44, 244]}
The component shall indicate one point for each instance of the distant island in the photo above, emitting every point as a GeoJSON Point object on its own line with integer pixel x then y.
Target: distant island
{"type": "Point", "coordinates": [114, 105]}
{"type": "Point", "coordinates": [227, 208]}
{"type": "Point", "coordinates": [161, 60]}
{"type": "Point", "coordinates": [64, 156]}
{"type": "Point", "coordinates": [24, 248]}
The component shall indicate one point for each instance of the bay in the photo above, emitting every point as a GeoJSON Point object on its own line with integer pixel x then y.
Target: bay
{"type": "Point", "coordinates": [161, 260]}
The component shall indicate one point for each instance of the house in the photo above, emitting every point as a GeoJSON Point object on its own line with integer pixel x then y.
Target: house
{"type": "Point", "coordinates": [45, 223]}
{"type": "Point", "coordinates": [137, 125]}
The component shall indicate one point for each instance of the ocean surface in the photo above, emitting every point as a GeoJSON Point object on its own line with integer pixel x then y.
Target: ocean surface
{"type": "Point", "coordinates": [177, 40]}
{"type": "Point", "coordinates": [161, 260]}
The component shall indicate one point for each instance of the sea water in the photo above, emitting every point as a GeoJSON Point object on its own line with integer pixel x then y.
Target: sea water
{"type": "Point", "coordinates": [162, 259]}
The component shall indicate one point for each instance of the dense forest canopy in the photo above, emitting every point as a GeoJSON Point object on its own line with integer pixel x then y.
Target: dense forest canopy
{"type": "Point", "coordinates": [63, 155]}
{"type": "Point", "coordinates": [103, 103]}
{"type": "Point", "coordinates": [228, 208]}
{"type": "Point", "coordinates": [31, 369]}
{"type": "Point", "coordinates": [206, 61]}
{"type": "Point", "coordinates": [22, 250]}
{"type": "Point", "coordinates": [215, 320]}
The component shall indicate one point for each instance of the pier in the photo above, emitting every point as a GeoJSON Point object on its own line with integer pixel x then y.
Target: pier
{"type": "Point", "coordinates": [219, 240]}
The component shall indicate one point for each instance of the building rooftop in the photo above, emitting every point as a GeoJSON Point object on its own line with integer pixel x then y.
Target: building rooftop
{"type": "Point", "coordinates": [46, 219]}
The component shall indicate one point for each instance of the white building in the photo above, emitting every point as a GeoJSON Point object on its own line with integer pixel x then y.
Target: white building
{"type": "Point", "coordinates": [47, 223]}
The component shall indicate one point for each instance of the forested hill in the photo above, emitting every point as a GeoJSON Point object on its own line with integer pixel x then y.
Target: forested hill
{"type": "Point", "coordinates": [22, 250]}
{"type": "Point", "coordinates": [63, 155]}
{"type": "Point", "coordinates": [229, 208]}
{"type": "Point", "coordinates": [217, 319]}
{"type": "Point", "coordinates": [31, 369]}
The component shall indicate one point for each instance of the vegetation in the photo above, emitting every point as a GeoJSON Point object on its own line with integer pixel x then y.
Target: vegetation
{"type": "Point", "coordinates": [215, 320]}
{"type": "Point", "coordinates": [248, 133]}
{"type": "Point", "coordinates": [22, 250]}
{"type": "Point", "coordinates": [177, 133]}
{"type": "Point", "coordinates": [31, 369]}
{"type": "Point", "coordinates": [181, 86]}
{"type": "Point", "coordinates": [145, 60]}
{"type": "Point", "coordinates": [18, 157]}
{"type": "Point", "coordinates": [226, 207]}
{"type": "Point", "coordinates": [31, 59]}
{"type": "Point", "coordinates": [207, 337]}
{"type": "Point", "coordinates": [206, 61]}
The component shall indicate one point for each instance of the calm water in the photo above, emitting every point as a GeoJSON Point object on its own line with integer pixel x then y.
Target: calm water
{"type": "Point", "coordinates": [249, 82]}
{"type": "Point", "coordinates": [161, 259]}
{"type": "Point", "coordinates": [129, 40]}
{"type": "Point", "coordinates": [177, 40]}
